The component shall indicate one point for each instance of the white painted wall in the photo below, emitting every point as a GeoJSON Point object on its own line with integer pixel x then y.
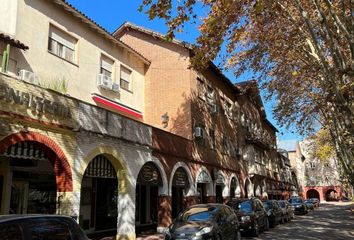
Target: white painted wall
{"type": "Point", "coordinates": [34, 19]}
{"type": "Point", "coordinates": [8, 17]}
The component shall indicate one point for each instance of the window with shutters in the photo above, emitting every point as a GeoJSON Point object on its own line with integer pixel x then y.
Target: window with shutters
{"type": "Point", "coordinates": [106, 66]}
{"type": "Point", "coordinates": [125, 78]}
{"type": "Point", "coordinates": [62, 44]}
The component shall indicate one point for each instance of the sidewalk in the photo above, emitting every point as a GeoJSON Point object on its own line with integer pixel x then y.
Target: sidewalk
{"type": "Point", "coordinates": [156, 236]}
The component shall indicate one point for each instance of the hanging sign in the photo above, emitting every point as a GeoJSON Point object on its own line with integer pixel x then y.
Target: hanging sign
{"type": "Point", "coordinates": [149, 175]}
{"type": "Point", "coordinates": [180, 178]}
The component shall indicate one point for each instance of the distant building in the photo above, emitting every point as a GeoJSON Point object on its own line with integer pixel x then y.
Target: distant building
{"type": "Point", "coordinates": [317, 179]}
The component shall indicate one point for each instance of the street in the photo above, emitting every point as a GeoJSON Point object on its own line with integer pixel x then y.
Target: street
{"type": "Point", "coordinates": [330, 221]}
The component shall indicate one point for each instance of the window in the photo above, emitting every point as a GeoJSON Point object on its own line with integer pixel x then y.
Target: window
{"type": "Point", "coordinates": [312, 165]}
{"type": "Point", "coordinates": [201, 88]}
{"type": "Point", "coordinates": [48, 229]}
{"type": "Point", "coordinates": [212, 138]}
{"type": "Point", "coordinates": [125, 81]}
{"type": "Point", "coordinates": [62, 44]}
{"type": "Point", "coordinates": [10, 232]}
{"type": "Point", "coordinates": [106, 66]}
{"type": "Point", "coordinates": [210, 95]}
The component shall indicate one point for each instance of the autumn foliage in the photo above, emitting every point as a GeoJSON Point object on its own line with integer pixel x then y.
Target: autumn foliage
{"type": "Point", "coordinates": [302, 52]}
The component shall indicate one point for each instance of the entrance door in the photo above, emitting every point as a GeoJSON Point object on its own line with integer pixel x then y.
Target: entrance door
{"type": "Point", "coordinates": [106, 204]}
{"type": "Point", "coordinates": [180, 184]}
{"type": "Point", "coordinates": [19, 197]}
{"type": "Point", "coordinates": [146, 198]}
{"type": "Point", "coordinates": [201, 188]}
{"type": "Point", "coordinates": [177, 200]}
{"type": "Point", "coordinates": [218, 193]}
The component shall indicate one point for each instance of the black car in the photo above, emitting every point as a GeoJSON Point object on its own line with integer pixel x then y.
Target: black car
{"type": "Point", "coordinates": [28, 227]}
{"type": "Point", "coordinates": [205, 221]}
{"type": "Point", "coordinates": [309, 204]}
{"type": "Point", "coordinates": [274, 212]}
{"type": "Point", "coordinates": [251, 215]}
{"type": "Point", "coordinates": [298, 205]}
{"type": "Point", "coordinates": [288, 212]}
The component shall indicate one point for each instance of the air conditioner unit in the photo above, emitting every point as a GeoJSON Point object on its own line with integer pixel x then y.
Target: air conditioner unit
{"type": "Point", "coordinates": [214, 108]}
{"type": "Point", "coordinates": [104, 82]}
{"type": "Point", "coordinates": [199, 132]}
{"type": "Point", "coordinates": [115, 87]}
{"type": "Point", "coordinates": [238, 151]}
{"type": "Point", "coordinates": [29, 76]}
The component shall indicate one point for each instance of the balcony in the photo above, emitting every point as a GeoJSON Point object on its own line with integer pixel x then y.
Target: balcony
{"type": "Point", "coordinates": [258, 169]}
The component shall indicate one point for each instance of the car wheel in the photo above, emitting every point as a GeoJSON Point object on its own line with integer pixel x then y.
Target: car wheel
{"type": "Point", "coordinates": [266, 225]}
{"type": "Point", "coordinates": [238, 235]}
{"type": "Point", "coordinates": [272, 222]}
{"type": "Point", "coordinates": [282, 219]}
{"type": "Point", "coordinates": [255, 230]}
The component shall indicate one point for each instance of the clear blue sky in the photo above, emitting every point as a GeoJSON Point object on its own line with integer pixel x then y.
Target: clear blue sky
{"type": "Point", "coordinates": [110, 14]}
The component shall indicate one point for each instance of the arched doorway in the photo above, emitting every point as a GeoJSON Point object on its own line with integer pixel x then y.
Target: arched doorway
{"type": "Point", "coordinates": [146, 197]}
{"type": "Point", "coordinates": [312, 193]}
{"type": "Point", "coordinates": [235, 190]}
{"type": "Point", "coordinates": [180, 187]}
{"type": "Point", "coordinates": [99, 195]}
{"type": "Point", "coordinates": [219, 187]}
{"type": "Point", "coordinates": [30, 181]}
{"type": "Point", "coordinates": [249, 192]}
{"type": "Point", "coordinates": [204, 184]}
{"type": "Point", "coordinates": [331, 195]}
{"type": "Point", "coordinates": [258, 191]}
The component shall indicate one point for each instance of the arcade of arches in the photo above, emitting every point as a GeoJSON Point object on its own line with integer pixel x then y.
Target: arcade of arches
{"type": "Point", "coordinates": [324, 193]}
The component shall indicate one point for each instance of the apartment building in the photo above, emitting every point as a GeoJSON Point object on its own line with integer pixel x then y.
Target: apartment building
{"type": "Point", "coordinates": [72, 139]}
{"type": "Point", "coordinates": [117, 130]}
{"type": "Point", "coordinates": [212, 132]}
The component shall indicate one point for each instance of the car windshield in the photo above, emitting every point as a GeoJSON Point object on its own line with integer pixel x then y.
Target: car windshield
{"type": "Point", "coordinates": [267, 205]}
{"type": "Point", "coordinates": [282, 204]}
{"type": "Point", "coordinates": [198, 214]}
{"type": "Point", "coordinates": [295, 200]}
{"type": "Point", "coordinates": [245, 206]}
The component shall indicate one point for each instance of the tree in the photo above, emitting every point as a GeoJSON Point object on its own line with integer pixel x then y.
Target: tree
{"type": "Point", "coordinates": [302, 53]}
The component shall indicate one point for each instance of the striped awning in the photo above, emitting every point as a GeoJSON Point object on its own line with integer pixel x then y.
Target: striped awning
{"type": "Point", "coordinates": [100, 167]}
{"type": "Point", "coordinates": [25, 150]}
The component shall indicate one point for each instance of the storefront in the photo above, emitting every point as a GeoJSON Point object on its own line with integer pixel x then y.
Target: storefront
{"type": "Point", "coordinates": [180, 187]}
{"type": "Point", "coordinates": [147, 197]}
{"type": "Point", "coordinates": [31, 177]}
{"type": "Point", "coordinates": [219, 187]}
{"type": "Point", "coordinates": [204, 184]}
{"type": "Point", "coordinates": [99, 196]}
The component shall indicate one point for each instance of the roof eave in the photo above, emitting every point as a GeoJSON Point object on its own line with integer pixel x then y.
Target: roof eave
{"type": "Point", "coordinates": [76, 13]}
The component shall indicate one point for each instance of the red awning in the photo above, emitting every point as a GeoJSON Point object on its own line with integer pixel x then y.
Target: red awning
{"type": "Point", "coordinates": [116, 106]}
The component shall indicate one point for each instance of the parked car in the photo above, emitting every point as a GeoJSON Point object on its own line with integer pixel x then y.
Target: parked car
{"type": "Point", "coordinates": [309, 204]}
{"type": "Point", "coordinates": [298, 205]}
{"type": "Point", "coordinates": [28, 227]}
{"type": "Point", "coordinates": [316, 202]}
{"type": "Point", "coordinates": [288, 212]}
{"type": "Point", "coordinates": [274, 212]}
{"type": "Point", "coordinates": [205, 221]}
{"type": "Point", "coordinates": [251, 214]}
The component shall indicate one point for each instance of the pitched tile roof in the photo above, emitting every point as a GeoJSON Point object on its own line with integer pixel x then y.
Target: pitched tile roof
{"type": "Point", "coordinates": [13, 42]}
{"type": "Point", "coordinates": [94, 25]}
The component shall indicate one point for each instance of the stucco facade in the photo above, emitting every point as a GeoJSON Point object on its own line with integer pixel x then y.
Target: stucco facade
{"type": "Point", "coordinates": [34, 21]}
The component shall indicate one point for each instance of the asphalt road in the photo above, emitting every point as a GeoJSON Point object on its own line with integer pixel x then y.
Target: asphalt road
{"type": "Point", "coordinates": [330, 221]}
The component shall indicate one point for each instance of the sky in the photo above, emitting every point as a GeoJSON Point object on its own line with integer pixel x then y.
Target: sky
{"type": "Point", "coordinates": [110, 14]}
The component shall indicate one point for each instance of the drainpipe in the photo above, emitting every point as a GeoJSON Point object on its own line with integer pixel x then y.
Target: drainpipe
{"type": "Point", "coordinates": [5, 59]}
